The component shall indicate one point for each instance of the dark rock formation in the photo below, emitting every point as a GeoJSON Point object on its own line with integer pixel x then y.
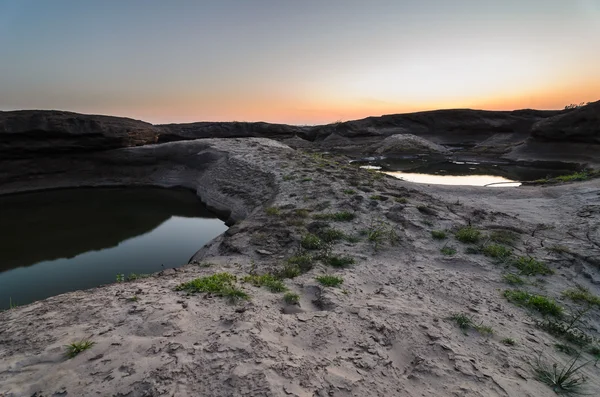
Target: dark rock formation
{"type": "Point", "coordinates": [178, 132]}
{"type": "Point", "coordinates": [578, 125]}
{"type": "Point", "coordinates": [30, 132]}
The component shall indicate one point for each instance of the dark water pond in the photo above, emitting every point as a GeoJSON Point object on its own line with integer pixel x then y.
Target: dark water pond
{"type": "Point", "coordinates": [465, 172]}
{"type": "Point", "coordinates": [66, 240]}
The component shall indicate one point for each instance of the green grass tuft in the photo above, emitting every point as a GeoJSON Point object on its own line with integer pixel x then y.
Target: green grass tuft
{"type": "Point", "coordinates": [468, 235]}
{"type": "Point", "coordinates": [340, 261]}
{"type": "Point", "coordinates": [75, 348]}
{"type": "Point", "coordinates": [582, 295]}
{"type": "Point", "coordinates": [329, 281]}
{"type": "Point", "coordinates": [303, 261]}
{"type": "Point", "coordinates": [508, 341]}
{"type": "Point", "coordinates": [291, 298]}
{"type": "Point", "coordinates": [496, 251]}
{"type": "Point", "coordinates": [311, 242]}
{"type": "Point", "coordinates": [220, 284]}
{"type": "Point", "coordinates": [513, 279]}
{"type": "Point", "coordinates": [448, 251]}
{"type": "Point", "coordinates": [272, 211]}
{"type": "Point", "coordinates": [348, 191]}
{"type": "Point", "coordinates": [504, 237]}
{"type": "Point", "coordinates": [529, 266]}
{"type": "Point", "coordinates": [566, 379]}
{"type": "Point", "coordinates": [289, 271]}
{"type": "Point", "coordinates": [268, 281]}
{"type": "Point", "coordinates": [540, 303]}
{"type": "Point", "coordinates": [438, 234]}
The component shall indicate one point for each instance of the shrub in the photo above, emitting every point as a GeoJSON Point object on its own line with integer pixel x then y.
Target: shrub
{"type": "Point", "coordinates": [448, 251]}
{"type": "Point", "coordinates": [303, 261]}
{"type": "Point", "coordinates": [566, 379]}
{"type": "Point", "coordinates": [289, 271]}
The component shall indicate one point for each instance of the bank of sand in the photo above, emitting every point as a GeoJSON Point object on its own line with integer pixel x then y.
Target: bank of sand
{"type": "Point", "coordinates": [384, 332]}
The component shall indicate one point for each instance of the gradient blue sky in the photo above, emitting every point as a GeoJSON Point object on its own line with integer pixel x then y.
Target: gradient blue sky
{"type": "Point", "coordinates": [305, 62]}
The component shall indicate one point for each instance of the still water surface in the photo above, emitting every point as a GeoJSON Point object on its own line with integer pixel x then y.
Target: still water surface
{"type": "Point", "coordinates": [65, 240]}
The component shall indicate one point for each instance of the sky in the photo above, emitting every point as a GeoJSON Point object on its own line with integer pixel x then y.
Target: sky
{"type": "Point", "coordinates": [296, 61]}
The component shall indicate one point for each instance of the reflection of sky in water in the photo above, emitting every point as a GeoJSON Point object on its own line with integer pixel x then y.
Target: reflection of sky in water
{"type": "Point", "coordinates": [171, 244]}
{"type": "Point", "coordinates": [464, 180]}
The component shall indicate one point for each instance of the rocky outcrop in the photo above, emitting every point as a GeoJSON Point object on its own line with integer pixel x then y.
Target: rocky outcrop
{"type": "Point", "coordinates": [578, 125]}
{"type": "Point", "coordinates": [235, 129]}
{"type": "Point", "coordinates": [406, 144]}
{"type": "Point", "coordinates": [32, 132]}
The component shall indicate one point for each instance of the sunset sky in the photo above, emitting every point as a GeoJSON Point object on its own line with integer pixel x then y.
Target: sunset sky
{"type": "Point", "coordinates": [296, 61]}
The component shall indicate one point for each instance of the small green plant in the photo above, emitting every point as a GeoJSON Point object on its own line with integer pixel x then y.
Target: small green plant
{"type": "Point", "coordinates": [559, 249]}
{"type": "Point", "coordinates": [540, 303]}
{"type": "Point", "coordinates": [291, 298]}
{"type": "Point", "coordinates": [289, 271]}
{"type": "Point", "coordinates": [378, 231]}
{"type": "Point", "coordinates": [438, 234]}
{"type": "Point", "coordinates": [468, 235]}
{"type": "Point", "coordinates": [220, 284]}
{"type": "Point", "coordinates": [329, 280]}
{"type": "Point", "coordinates": [529, 266]}
{"type": "Point", "coordinates": [582, 295]}
{"type": "Point", "coordinates": [268, 281]}
{"type": "Point", "coordinates": [311, 242]}
{"type": "Point", "coordinates": [120, 278]}
{"type": "Point", "coordinates": [448, 251]}
{"type": "Point", "coordinates": [566, 379]}
{"type": "Point", "coordinates": [496, 251]}
{"type": "Point", "coordinates": [348, 191]}
{"type": "Point", "coordinates": [508, 341]}
{"type": "Point", "coordinates": [75, 348]}
{"type": "Point", "coordinates": [330, 235]}
{"type": "Point", "coordinates": [11, 304]}
{"type": "Point", "coordinates": [134, 298]}
{"type": "Point", "coordinates": [137, 276]}
{"type": "Point", "coordinates": [377, 197]}
{"type": "Point", "coordinates": [513, 279]}
{"type": "Point", "coordinates": [463, 321]}
{"type": "Point", "coordinates": [303, 261]}
{"type": "Point", "coordinates": [401, 200]}
{"type": "Point", "coordinates": [301, 213]}
{"type": "Point", "coordinates": [340, 261]}
{"type": "Point", "coordinates": [505, 237]}
{"type": "Point", "coordinates": [273, 211]}
{"type": "Point", "coordinates": [305, 179]}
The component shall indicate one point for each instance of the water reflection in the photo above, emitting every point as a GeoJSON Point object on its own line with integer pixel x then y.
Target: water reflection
{"type": "Point", "coordinates": [65, 240]}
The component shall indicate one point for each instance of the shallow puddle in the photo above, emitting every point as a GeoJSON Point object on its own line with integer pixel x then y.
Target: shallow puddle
{"type": "Point", "coordinates": [66, 240]}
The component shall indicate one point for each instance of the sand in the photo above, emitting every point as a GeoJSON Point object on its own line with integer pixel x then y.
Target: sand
{"type": "Point", "coordinates": [384, 332]}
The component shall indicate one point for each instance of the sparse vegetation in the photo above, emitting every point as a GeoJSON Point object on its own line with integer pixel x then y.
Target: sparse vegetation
{"type": "Point", "coordinates": [540, 303]}
{"type": "Point", "coordinates": [330, 235]}
{"type": "Point", "coordinates": [513, 279]}
{"type": "Point", "coordinates": [438, 234]}
{"type": "Point", "coordinates": [311, 242]}
{"type": "Point", "coordinates": [220, 284]}
{"type": "Point", "coordinates": [465, 322]}
{"type": "Point", "coordinates": [468, 235]}
{"type": "Point", "coordinates": [305, 179]}
{"type": "Point", "coordinates": [348, 191]}
{"type": "Point", "coordinates": [504, 237]}
{"type": "Point", "coordinates": [73, 349]}
{"type": "Point", "coordinates": [291, 298]}
{"type": "Point", "coordinates": [329, 280]}
{"type": "Point", "coordinates": [272, 211]}
{"type": "Point", "coordinates": [574, 177]}
{"type": "Point", "coordinates": [508, 341]}
{"type": "Point", "coordinates": [289, 271]}
{"type": "Point", "coordinates": [340, 261]}
{"type": "Point", "coordinates": [303, 260]}
{"type": "Point", "coordinates": [448, 251]}
{"type": "Point", "coordinates": [496, 251]}
{"type": "Point", "coordinates": [566, 331]}
{"type": "Point", "coordinates": [378, 231]}
{"type": "Point", "coordinates": [426, 210]}
{"type": "Point", "coordinates": [565, 349]}
{"type": "Point", "coordinates": [566, 379]}
{"type": "Point", "coordinates": [401, 200]}
{"type": "Point", "coordinates": [268, 281]}
{"type": "Point", "coordinates": [582, 295]}
{"type": "Point", "coordinates": [529, 266]}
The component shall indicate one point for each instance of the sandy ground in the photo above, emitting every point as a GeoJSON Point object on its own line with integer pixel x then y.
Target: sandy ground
{"type": "Point", "coordinates": [384, 332]}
